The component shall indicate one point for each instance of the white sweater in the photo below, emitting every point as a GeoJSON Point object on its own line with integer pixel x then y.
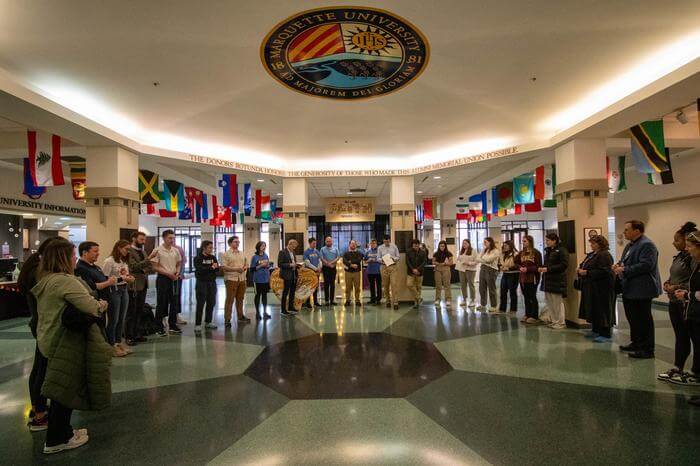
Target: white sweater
{"type": "Point", "coordinates": [111, 268]}
{"type": "Point", "coordinates": [468, 261]}
{"type": "Point", "coordinates": [489, 258]}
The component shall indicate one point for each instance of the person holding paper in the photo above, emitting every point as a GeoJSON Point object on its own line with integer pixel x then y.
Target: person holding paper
{"type": "Point", "coordinates": [374, 264]}
{"type": "Point", "coordinates": [416, 260]}
{"type": "Point", "coordinates": [466, 266]}
{"type": "Point", "coordinates": [329, 259]}
{"type": "Point", "coordinates": [312, 261]}
{"type": "Point", "coordinates": [352, 260]}
{"type": "Point", "coordinates": [389, 255]}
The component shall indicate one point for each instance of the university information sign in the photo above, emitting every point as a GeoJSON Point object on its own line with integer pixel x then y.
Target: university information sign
{"type": "Point", "coordinates": [40, 207]}
{"type": "Point", "coordinates": [349, 209]}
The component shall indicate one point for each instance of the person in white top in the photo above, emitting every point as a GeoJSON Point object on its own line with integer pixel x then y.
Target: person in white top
{"type": "Point", "coordinates": [488, 272]}
{"type": "Point", "coordinates": [167, 261]}
{"type": "Point", "coordinates": [234, 265]}
{"type": "Point", "coordinates": [467, 265]}
{"type": "Point", "coordinates": [116, 266]}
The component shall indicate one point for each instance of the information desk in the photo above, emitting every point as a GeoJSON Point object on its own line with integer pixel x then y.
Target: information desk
{"type": "Point", "coordinates": [12, 303]}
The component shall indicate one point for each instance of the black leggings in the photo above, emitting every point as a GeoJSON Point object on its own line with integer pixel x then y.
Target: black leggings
{"type": "Point", "coordinates": [36, 380]}
{"type": "Point", "coordinates": [529, 290]}
{"type": "Point", "coordinates": [329, 274]}
{"type": "Point", "coordinates": [261, 290]}
{"type": "Point", "coordinates": [676, 309]}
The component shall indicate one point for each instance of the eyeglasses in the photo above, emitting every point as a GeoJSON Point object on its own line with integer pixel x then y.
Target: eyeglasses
{"type": "Point", "coordinates": [694, 236]}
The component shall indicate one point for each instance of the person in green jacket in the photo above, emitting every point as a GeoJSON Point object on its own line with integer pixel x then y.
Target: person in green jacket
{"type": "Point", "coordinates": [56, 288]}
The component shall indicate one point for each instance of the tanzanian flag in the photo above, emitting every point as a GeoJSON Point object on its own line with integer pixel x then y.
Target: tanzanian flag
{"type": "Point", "coordinates": [174, 196]}
{"type": "Point", "coordinates": [648, 147]}
{"type": "Point", "coordinates": [148, 187]}
{"type": "Point", "coordinates": [665, 177]}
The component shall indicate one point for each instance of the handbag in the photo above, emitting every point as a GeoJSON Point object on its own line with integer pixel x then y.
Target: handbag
{"type": "Point", "coordinates": [577, 284]}
{"type": "Point", "coordinates": [75, 320]}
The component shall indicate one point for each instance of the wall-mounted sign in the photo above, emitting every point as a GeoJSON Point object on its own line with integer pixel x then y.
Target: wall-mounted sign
{"type": "Point", "coordinates": [41, 207]}
{"type": "Point", "coordinates": [349, 209]}
{"type": "Point", "coordinates": [345, 52]}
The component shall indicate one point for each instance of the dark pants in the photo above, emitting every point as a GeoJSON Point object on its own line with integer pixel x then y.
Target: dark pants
{"type": "Point", "coordinates": [60, 430]}
{"type": "Point", "coordinates": [598, 329]}
{"type": "Point", "coordinates": [694, 331]}
{"type": "Point", "coordinates": [178, 300]}
{"type": "Point", "coordinates": [375, 287]}
{"type": "Point", "coordinates": [118, 305]}
{"type": "Point", "coordinates": [638, 313]}
{"type": "Point", "coordinates": [166, 293]}
{"type": "Point", "coordinates": [261, 290]}
{"type": "Point", "coordinates": [509, 288]}
{"type": "Point", "coordinates": [205, 291]}
{"type": "Point", "coordinates": [133, 326]}
{"type": "Point", "coordinates": [290, 287]}
{"type": "Point", "coordinates": [329, 274]}
{"type": "Point", "coordinates": [532, 308]}
{"type": "Point", "coordinates": [676, 309]}
{"type": "Point", "coordinates": [36, 380]}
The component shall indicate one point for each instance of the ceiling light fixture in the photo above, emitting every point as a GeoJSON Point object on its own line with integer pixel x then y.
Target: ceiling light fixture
{"type": "Point", "coordinates": [419, 192]}
{"type": "Point", "coordinates": [280, 194]}
{"type": "Point", "coordinates": [260, 181]}
{"type": "Point", "coordinates": [681, 117]}
{"type": "Point", "coordinates": [437, 177]}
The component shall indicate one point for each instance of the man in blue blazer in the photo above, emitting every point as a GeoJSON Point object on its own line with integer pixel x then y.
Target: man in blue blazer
{"type": "Point", "coordinates": [638, 271]}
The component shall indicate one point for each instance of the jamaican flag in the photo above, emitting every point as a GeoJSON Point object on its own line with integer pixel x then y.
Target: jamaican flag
{"type": "Point", "coordinates": [148, 187]}
{"type": "Point", "coordinates": [648, 148]}
{"type": "Point", "coordinates": [174, 196]}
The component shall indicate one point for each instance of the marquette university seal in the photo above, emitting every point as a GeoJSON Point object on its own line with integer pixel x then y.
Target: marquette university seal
{"type": "Point", "coordinates": [345, 52]}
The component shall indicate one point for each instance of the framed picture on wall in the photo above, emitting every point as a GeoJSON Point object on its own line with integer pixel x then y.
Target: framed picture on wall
{"type": "Point", "coordinates": [589, 233]}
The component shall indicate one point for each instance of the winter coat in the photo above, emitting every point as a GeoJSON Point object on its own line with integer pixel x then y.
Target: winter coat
{"type": "Point", "coordinates": [598, 289]}
{"type": "Point", "coordinates": [78, 372]}
{"type": "Point", "coordinates": [556, 260]}
{"type": "Point", "coordinates": [139, 267]}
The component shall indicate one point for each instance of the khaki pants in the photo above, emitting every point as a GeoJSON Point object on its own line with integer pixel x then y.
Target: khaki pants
{"type": "Point", "coordinates": [415, 284]}
{"type": "Point", "coordinates": [554, 311]}
{"type": "Point", "coordinates": [235, 291]}
{"type": "Point", "coordinates": [390, 290]}
{"type": "Point", "coordinates": [352, 281]}
{"type": "Point", "coordinates": [466, 281]}
{"type": "Point", "coordinates": [443, 277]}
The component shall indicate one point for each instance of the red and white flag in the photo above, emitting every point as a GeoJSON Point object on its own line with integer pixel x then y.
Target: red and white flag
{"type": "Point", "coordinates": [45, 159]}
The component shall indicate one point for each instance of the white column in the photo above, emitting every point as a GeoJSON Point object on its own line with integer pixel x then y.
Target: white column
{"type": "Point", "coordinates": [296, 206]}
{"type": "Point", "coordinates": [402, 206]}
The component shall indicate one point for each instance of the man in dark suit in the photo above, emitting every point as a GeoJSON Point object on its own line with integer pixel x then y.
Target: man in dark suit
{"type": "Point", "coordinates": [286, 261]}
{"type": "Point", "coordinates": [638, 271]}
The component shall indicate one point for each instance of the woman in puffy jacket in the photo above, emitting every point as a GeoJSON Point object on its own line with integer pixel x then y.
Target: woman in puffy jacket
{"type": "Point", "coordinates": [553, 272]}
{"type": "Point", "coordinates": [56, 289]}
{"type": "Point", "coordinates": [488, 272]}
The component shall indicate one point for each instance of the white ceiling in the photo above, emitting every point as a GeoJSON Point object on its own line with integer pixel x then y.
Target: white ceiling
{"type": "Point", "coordinates": [100, 60]}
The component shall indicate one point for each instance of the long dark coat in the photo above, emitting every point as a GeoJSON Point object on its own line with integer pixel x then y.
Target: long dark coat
{"type": "Point", "coordinates": [598, 290]}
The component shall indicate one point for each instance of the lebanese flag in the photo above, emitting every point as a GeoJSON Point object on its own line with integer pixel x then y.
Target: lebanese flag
{"type": "Point", "coordinates": [45, 159]}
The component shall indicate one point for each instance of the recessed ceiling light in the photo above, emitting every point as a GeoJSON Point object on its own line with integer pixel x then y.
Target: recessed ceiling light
{"type": "Point", "coordinates": [280, 194]}
{"type": "Point", "coordinates": [350, 192]}
{"type": "Point", "coordinates": [260, 181]}
{"type": "Point", "coordinates": [419, 192]}
{"type": "Point", "coordinates": [437, 177]}
{"type": "Point", "coordinates": [64, 218]}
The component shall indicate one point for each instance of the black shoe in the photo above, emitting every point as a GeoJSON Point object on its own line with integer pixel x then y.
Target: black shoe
{"type": "Point", "coordinates": [257, 316]}
{"type": "Point", "coordinates": [175, 330]}
{"type": "Point", "coordinates": [141, 339]}
{"type": "Point", "coordinates": [642, 355]}
{"type": "Point", "coordinates": [132, 342]}
{"type": "Point", "coordinates": [161, 333]}
{"type": "Point", "coordinates": [227, 324]}
{"type": "Point", "coordinates": [628, 348]}
{"type": "Point", "coordinates": [287, 314]}
{"type": "Point", "coordinates": [243, 319]}
{"type": "Point", "coordinates": [396, 307]}
{"type": "Point", "coordinates": [358, 303]}
{"type": "Point", "coordinates": [332, 303]}
{"type": "Point", "coordinates": [388, 305]}
{"type": "Point", "coordinates": [267, 316]}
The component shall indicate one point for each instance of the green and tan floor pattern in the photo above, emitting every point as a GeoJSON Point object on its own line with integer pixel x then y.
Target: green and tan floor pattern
{"type": "Point", "coordinates": [370, 386]}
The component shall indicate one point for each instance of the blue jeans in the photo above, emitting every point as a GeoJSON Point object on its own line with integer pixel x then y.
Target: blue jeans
{"type": "Point", "coordinates": [118, 304]}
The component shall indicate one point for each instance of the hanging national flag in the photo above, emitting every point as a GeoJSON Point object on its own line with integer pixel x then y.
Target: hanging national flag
{"type": "Point", "coordinates": [539, 182]}
{"type": "Point", "coordinates": [616, 175]}
{"type": "Point", "coordinates": [277, 214]}
{"type": "Point", "coordinates": [30, 189]}
{"type": "Point", "coordinates": [418, 218]}
{"type": "Point", "coordinates": [230, 192]}
{"type": "Point", "coordinates": [185, 214]}
{"type": "Point", "coordinates": [534, 207]}
{"type": "Point", "coordinates": [665, 177]}
{"type": "Point", "coordinates": [77, 179]}
{"type": "Point", "coordinates": [428, 209]}
{"type": "Point", "coordinates": [265, 209]}
{"type": "Point", "coordinates": [205, 208]}
{"type": "Point", "coordinates": [247, 200]}
{"type": "Point", "coordinates": [524, 189]}
{"type": "Point", "coordinates": [462, 206]}
{"type": "Point", "coordinates": [174, 195]}
{"type": "Point", "coordinates": [165, 213]}
{"type": "Point", "coordinates": [505, 195]}
{"type": "Point", "coordinates": [45, 159]}
{"type": "Point", "coordinates": [148, 187]}
{"type": "Point", "coordinates": [493, 201]}
{"type": "Point", "coordinates": [647, 140]}
{"type": "Point", "coordinates": [518, 209]}
{"type": "Point", "coordinates": [195, 201]}
{"type": "Point", "coordinates": [550, 186]}
{"type": "Point", "coordinates": [475, 205]}
{"type": "Point", "coordinates": [484, 206]}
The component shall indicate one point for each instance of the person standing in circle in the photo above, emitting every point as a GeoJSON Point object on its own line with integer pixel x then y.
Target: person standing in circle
{"type": "Point", "coordinates": [529, 260]}
{"type": "Point", "coordinates": [597, 286]}
{"type": "Point", "coordinates": [260, 265]}
{"type": "Point", "coordinates": [467, 266]}
{"type": "Point", "coordinates": [488, 272]}
{"type": "Point", "coordinates": [205, 268]}
{"type": "Point", "coordinates": [553, 272]}
{"type": "Point", "coordinates": [509, 278]}
{"type": "Point", "coordinates": [442, 260]}
{"type": "Point", "coordinates": [116, 266]}
{"type": "Point", "coordinates": [329, 258]}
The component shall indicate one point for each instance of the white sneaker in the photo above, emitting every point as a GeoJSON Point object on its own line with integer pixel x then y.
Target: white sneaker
{"type": "Point", "coordinates": [75, 441]}
{"type": "Point", "coordinates": [210, 326]}
{"type": "Point", "coordinates": [197, 329]}
{"type": "Point", "coordinates": [437, 302]}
